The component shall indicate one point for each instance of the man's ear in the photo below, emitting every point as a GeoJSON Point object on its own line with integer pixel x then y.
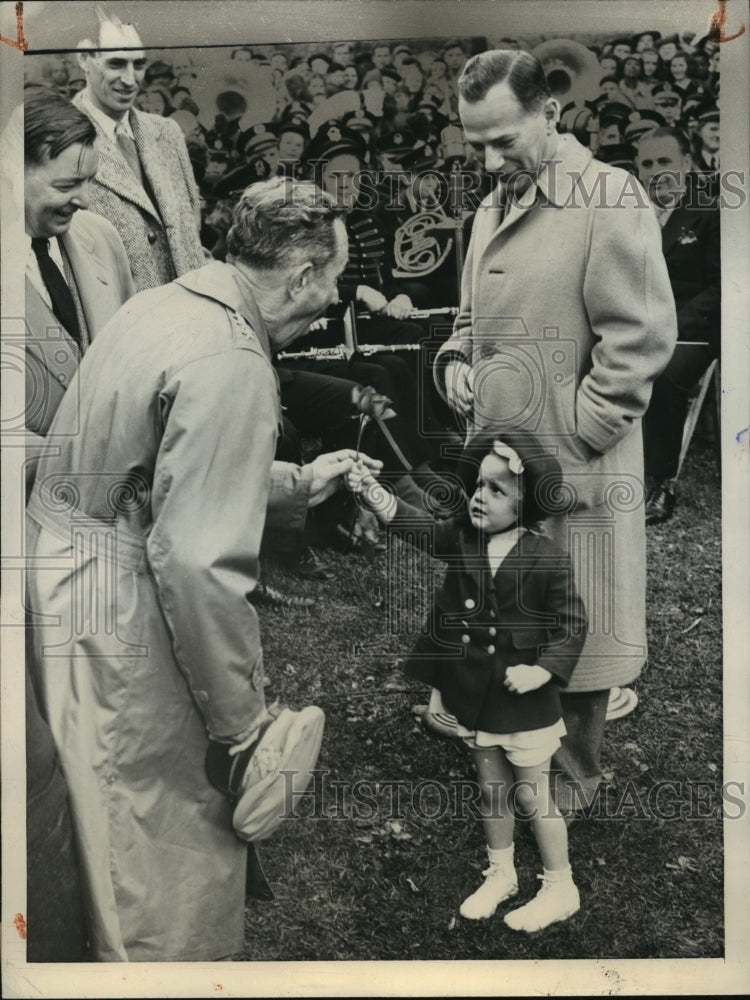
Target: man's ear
{"type": "Point", "coordinates": [300, 279]}
{"type": "Point", "coordinates": [82, 58]}
{"type": "Point", "coordinates": [552, 110]}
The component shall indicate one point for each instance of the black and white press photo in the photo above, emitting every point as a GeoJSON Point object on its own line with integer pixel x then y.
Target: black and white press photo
{"type": "Point", "coordinates": [375, 440]}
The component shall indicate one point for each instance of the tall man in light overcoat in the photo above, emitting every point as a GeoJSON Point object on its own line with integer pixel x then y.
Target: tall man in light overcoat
{"type": "Point", "coordinates": [566, 318]}
{"type": "Point", "coordinates": [145, 184]}
{"type": "Point", "coordinates": [143, 537]}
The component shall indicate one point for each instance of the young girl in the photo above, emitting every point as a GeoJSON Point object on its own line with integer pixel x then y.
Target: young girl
{"type": "Point", "coordinates": [504, 635]}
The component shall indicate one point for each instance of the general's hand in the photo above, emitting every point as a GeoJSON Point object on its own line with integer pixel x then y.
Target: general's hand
{"type": "Point", "coordinates": [318, 324]}
{"type": "Point", "coordinates": [525, 677]}
{"type": "Point", "coordinates": [328, 470]}
{"type": "Point", "coordinates": [458, 387]}
{"type": "Point", "coordinates": [375, 301]}
{"type": "Point", "coordinates": [400, 307]}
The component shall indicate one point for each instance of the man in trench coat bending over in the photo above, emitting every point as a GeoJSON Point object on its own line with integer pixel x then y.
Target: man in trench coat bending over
{"type": "Point", "coordinates": [566, 318]}
{"type": "Point", "coordinates": [144, 529]}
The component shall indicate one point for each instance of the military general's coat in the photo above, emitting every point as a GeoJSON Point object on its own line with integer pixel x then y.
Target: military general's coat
{"type": "Point", "coordinates": [143, 537]}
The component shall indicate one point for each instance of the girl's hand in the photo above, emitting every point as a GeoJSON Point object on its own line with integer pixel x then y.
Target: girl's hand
{"type": "Point", "coordinates": [525, 677]}
{"type": "Point", "coordinates": [371, 493]}
{"type": "Point", "coordinates": [358, 479]}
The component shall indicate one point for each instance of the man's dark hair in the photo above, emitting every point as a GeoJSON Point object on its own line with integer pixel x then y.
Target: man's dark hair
{"type": "Point", "coordinates": [668, 131]}
{"type": "Point", "coordinates": [523, 72]}
{"type": "Point", "coordinates": [280, 222]}
{"type": "Point", "coordinates": [51, 124]}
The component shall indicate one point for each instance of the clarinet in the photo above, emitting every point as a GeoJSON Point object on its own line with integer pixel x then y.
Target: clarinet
{"type": "Point", "coordinates": [315, 354]}
{"type": "Point", "coordinates": [421, 313]}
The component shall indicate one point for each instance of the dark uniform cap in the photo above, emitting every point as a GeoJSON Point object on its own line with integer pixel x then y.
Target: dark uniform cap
{"type": "Point", "coordinates": [664, 93]}
{"type": "Point", "coordinates": [256, 139]}
{"type": "Point", "coordinates": [633, 55]}
{"type": "Point", "coordinates": [618, 154]}
{"type": "Point", "coordinates": [391, 72]}
{"type": "Point", "coordinates": [394, 143]}
{"type": "Point", "coordinates": [319, 55]}
{"type": "Point", "coordinates": [615, 112]}
{"type": "Point", "coordinates": [294, 124]}
{"type": "Point", "coordinates": [542, 474]}
{"type": "Point", "coordinates": [422, 156]}
{"type": "Point", "coordinates": [622, 40]}
{"type": "Point", "coordinates": [359, 120]}
{"type": "Point", "coordinates": [711, 115]}
{"type": "Point", "coordinates": [256, 169]}
{"type": "Point", "coordinates": [642, 122]}
{"type": "Point", "coordinates": [332, 138]}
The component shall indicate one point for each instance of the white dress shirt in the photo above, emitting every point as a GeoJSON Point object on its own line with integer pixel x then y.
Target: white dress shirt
{"type": "Point", "coordinates": [105, 123]}
{"type": "Point", "coordinates": [32, 266]}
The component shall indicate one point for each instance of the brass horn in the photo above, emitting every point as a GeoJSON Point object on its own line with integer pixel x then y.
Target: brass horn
{"type": "Point", "coordinates": [572, 70]}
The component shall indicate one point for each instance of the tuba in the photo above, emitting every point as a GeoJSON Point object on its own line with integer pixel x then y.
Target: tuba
{"type": "Point", "coordinates": [572, 70]}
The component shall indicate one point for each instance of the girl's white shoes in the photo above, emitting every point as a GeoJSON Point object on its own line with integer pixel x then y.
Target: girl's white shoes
{"type": "Point", "coordinates": [556, 900]}
{"type": "Point", "coordinates": [500, 883]}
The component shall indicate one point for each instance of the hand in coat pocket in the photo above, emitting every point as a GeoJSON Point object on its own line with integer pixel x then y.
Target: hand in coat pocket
{"type": "Point", "coordinates": [524, 677]}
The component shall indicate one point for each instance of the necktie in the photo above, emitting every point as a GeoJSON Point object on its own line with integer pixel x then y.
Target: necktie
{"type": "Point", "coordinates": [127, 147]}
{"type": "Point", "coordinates": [62, 300]}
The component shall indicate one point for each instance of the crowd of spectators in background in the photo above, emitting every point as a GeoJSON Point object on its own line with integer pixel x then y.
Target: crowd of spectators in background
{"type": "Point", "coordinates": [401, 98]}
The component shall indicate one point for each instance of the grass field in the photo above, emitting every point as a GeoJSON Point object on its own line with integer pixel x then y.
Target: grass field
{"type": "Point", "coordinates": [381, 875]}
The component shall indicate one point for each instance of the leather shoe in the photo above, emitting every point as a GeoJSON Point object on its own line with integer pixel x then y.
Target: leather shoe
{"type": "Point", "coordinates": [310, 566]}
{"type": "Point", "coordinates": [661, 503]}
{"type": "Point", "coordinates": [273, 597]}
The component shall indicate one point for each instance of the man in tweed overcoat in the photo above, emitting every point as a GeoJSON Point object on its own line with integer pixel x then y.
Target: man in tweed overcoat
{"type": "Point", "coordinates": [145, 184]}
{"type": "Point", "coordinates": [566, 319]}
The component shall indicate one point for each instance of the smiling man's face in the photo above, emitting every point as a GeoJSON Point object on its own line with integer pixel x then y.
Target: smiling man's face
{"type": "Point", "coordinates": [114, 77]}
{"type": "Point", "coordinates": [56, 189]}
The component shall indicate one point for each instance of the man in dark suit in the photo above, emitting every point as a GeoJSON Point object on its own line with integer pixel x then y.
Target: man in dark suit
{"type": "Point", "coordinates": [145, 184]}
{"type": "Point", "coordinates": [691, 245]}
{"type": "Point", "coordinates": [77, 276]}
{"type": "Point", "coordinates": [77, 271]}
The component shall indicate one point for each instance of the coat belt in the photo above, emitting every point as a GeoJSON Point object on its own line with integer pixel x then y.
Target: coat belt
{"type": "Point", "coordinates": [114, 541]}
